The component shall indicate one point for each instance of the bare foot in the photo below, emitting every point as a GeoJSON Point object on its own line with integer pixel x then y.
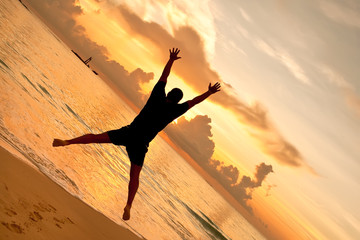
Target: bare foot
{"type": "Point", "coordinates": [126, 215]}
{"type": "Point", "coordinates": [59, 143]}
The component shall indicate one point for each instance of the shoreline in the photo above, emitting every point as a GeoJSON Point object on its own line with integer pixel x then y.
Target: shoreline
{"type": "Point", "coordinates": [34, 207]}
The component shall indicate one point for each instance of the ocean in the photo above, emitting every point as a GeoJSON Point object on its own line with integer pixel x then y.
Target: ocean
{"type": "Point", "coordinates": [46, 92]}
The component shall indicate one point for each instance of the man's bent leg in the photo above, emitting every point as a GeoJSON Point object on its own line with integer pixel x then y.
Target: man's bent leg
{"type": "Point", "coordinates": [133, 187]}
{"type": "Point", "coordinates": [85, 139]}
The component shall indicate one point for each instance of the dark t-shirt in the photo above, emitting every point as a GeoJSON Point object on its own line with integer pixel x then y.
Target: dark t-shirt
{"type": "Point", "coordinates": [156, 114]}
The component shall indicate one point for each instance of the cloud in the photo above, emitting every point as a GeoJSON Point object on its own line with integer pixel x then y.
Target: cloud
{"type": "Point", "coordinates": [277, 147]}
{"type": "Point", "coordinates": [278, 53]}
{"type": "Point", "coordinates": [262, 171]}
{"type": "Point", "coordinates": [227, 175]}
{"type": "Point", "coordinates": [243, 190]}
{"type": "Point", "coordinates": [194, 137]}
{"type": "Point", "coordinates": [269, 187]}
{"type": "Point", "coordinates": [348, 90]}
{"type": "Point", "coordinates": [284, 58]}
{"type": "Point", "coordinates": [172, 15]}
{"type": "Point", "coordinates": [199, 146]}
{"type": "Point", "coordinates": [136, 79]}
{"type": "Point", "coordinates": [343, 12]}
{"type": "Point", "coordinates": [333, 77]}
{"type": "Point", "coordinates": [245, 15]}
{"type": "Point", "coordinates": [230, 172]}
{"type": "Point", "coordinates": [353, 100]}
{"type": "Point", "coordinates": [60, 16]}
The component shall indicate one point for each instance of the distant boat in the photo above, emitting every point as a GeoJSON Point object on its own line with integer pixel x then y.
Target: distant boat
{"type": "Point", "coordinates": [23, 4]}
{"type": "Point", "coordinates": [85, 62]}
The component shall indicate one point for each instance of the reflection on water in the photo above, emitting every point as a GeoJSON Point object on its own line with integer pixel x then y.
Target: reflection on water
{"type": "Point", "coordinates": [46, 92]}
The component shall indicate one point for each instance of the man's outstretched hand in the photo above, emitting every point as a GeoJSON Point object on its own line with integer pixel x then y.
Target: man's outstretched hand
{"type": "Point", "coordinates": [174, 54]}
{"type": "Point", "coordinates": [215, 88]}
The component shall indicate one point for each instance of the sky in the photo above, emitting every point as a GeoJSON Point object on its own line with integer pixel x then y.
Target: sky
{"type": "Point", "coordinates": [282, 136]}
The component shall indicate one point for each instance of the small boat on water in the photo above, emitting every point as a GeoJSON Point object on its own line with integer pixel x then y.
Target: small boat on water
{"type": "Point", "coordinates": [86, 62]}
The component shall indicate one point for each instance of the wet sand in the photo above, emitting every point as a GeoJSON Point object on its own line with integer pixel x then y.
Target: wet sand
{"type": "Point", "coordinates": [34, 207]}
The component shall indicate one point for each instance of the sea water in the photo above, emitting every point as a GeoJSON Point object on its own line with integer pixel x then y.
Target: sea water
{"type": "Point", "coordinates": [46, 92]}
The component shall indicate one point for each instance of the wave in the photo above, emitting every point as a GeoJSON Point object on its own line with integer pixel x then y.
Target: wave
{"type": "Point", "coordinates": [213, 231]}
{"type": "Point", "coordinates": [41, 162]}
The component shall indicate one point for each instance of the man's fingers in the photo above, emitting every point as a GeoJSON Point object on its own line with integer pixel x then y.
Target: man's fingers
{"type": "Point", "coordinates": [215, 87]}
{"type": "Point", "coordinates": [174, 52]}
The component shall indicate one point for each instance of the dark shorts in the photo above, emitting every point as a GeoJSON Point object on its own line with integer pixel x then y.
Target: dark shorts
{"type": "Point", "coordinates": [135, 147]}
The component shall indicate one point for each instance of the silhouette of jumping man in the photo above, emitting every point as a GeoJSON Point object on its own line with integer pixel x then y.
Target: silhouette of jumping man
{"type": "Point", "coordinates": [158, 112]}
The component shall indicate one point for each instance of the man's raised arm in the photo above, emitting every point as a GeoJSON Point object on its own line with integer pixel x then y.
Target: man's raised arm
{"type": "Point", "coordinates": [212, 89]}
{"type": "Point", "coordinates": [166, 71]}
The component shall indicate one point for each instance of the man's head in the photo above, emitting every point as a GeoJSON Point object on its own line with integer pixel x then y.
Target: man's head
{"type": "Point", "coordinates": [175, 95]}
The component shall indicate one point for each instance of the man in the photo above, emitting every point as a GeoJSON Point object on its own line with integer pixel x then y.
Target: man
{"type": "Point", "coordinates": [159, 111]}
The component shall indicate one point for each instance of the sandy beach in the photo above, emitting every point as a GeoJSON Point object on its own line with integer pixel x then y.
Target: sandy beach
{"type": "Point", "coordinates": [34, 207]}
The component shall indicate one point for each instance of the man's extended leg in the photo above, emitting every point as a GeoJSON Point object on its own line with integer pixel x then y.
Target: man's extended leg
{"type": "Point", "coordinates": [85, 139]}
{"type": "Point", "coordinates": [133, 187]}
